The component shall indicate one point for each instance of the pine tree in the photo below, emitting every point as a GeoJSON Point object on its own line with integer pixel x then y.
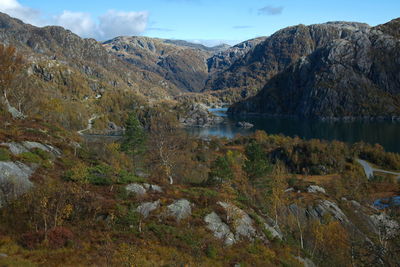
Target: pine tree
{"type": "Point", "coordinates": [134, 137]}
{"type": "Point", "coordinates": [257, 164]}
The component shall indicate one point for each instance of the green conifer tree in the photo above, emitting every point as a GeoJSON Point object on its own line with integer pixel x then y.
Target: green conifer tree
{"type": "Point", "coordinates": [134, 139]}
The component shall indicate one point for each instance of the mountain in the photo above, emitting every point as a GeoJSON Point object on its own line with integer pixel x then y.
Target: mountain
{"type": "Point", "coordinates": [86, 56]}
{"type": "Point", "coordinates": [350, 70]}
{"type": "Point", "coordinates": [224, 59]}
{"type": "Point", "coordinates": [250, 72]}
{"type": "Point", "coordinates": [180, 62]}
{"type": "Point", "coordinates": [187, 65]}
{"type": "Point", "coordinates": [213, 49]}
{"type": "Point", "coordinates": [77, 76]}
{"type": "Point", "coordinates": [74, 194]}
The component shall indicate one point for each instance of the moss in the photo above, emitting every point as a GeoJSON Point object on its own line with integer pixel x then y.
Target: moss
{"type": "Point", "coordinates": [211, 251]}
{"type": "Point", "coordinates": [41, 153]}
{"type": "Point", "coordinates": [4, 154]}
{"type": "Point", "coordinates": [30, 157]}
{"type": "Point", "coordinates": [125, 177]}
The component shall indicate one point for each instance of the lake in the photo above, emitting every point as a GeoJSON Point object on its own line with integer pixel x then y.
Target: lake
{"type": "Point", "coordinates": [384, 133]}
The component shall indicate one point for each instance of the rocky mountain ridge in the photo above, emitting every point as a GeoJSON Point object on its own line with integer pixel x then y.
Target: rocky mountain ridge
{"type": "Point", "coordinates": [279, 51]}
{"type": "Point", "coordinates": [181, 65]}
{"type": "Point", "coordinates": [351, 72]}
{"type": "Point", "coordinates": [188, 66]}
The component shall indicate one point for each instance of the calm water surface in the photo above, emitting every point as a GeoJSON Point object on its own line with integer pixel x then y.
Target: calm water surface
{"type": "Point", "coordinates": [385, 133]}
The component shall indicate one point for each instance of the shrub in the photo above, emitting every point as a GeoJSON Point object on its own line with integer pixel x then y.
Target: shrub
{"type": "Point", "coordinates": [4, 154]}
{"type": "Point", "coordinates": [220, 171]}
{"type": "Point", "coordinates": [41, 153]}
{"type": "Point", "coordinates": [101, 175]}
{"type": "Point", "coordinates": [257, 164]}
{"type": "Point", "coordinates": [59, 237]}
{"type": "Point", "coordinates": [78, 173]}
{"type": "Point", "coordinates": [127, 218]}
{"type": "Point", "coordinates": [31, 240]}
{"type": "Point", "coordinates": [211, 251]}
{"type": "Point", "coordinates": [30, 157]}
{"type": "Point", "coordinates": [134, 139]}
{"type": "Point", "coordinates": [126, 177]}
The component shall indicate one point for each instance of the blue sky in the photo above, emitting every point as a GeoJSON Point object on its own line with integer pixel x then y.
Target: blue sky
{"type": "Point", "coordinates": [206, 21]}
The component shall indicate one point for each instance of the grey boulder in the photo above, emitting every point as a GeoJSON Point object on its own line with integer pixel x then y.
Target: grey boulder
{"type": "Point", "coordinates": [316, 189]}
{"type": "Point", "coordinates": [180, 209]}
{"type": "Point", "coordinates": [137, 189]}
{"type": "Point", "coordinates": [220, 229]}
{"type": "Point", "coordinates": [14, 179]}
{"type": "Point", "coordinates": [241, 221]}
{"type": "Point", "coordinates": [145, 208]}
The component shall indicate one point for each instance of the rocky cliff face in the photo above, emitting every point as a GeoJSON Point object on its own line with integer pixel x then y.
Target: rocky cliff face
{"type": "Point", "coordinates": [351, 70]}
{"type": "Point", "coordinates": [277, 52]}
{"type": "Point", "coordinates": [224, 59]}
{"type": "Point", "coordinates": [182, 65]}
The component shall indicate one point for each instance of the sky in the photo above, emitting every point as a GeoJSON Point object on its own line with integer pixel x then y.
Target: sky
{"type": "Point", "coordinates": [209, 22]}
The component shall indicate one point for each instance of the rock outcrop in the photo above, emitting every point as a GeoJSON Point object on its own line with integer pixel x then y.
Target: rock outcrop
{"type": "Point", "coordinates": [334, 70]}
{"type": "Point", "coordinates": [141, 190]}
{"type": "Point", "coordinates": [145, 208]}
{"type": "Point", "coordinates": [15, 176]}
{"type": "Point", "coordinates": [180, 209]}
{"type": "Point", "coordinates": [55, 53]}
{"type": "Point", "coordinates": [316, 189]}
{"type": "Point", "coordinates": [198, 115]}
{"type": "Point", "coordinates": [220, 229]}
{"type": "Point", "coordinates": [224, 59]}
{"type": "Point", "coordinates": [183, 66]}
{"type": "Point", "coordinates": [385, 226]}
{"type": "Point", "coordinates": [318, 211]}
{"type": "Point", "coordinates": [241, 221]}
{"type": "Point", "coordinates": [136, 189]}
{"type": "Point", "coordinates": [14, 180]}
{"type": "Point", "coordinates": [244, 124]}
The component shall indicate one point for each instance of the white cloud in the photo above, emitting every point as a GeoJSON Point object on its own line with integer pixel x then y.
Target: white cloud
{"type": "Point", "coordinates": [78, 22]}
{"type": "Point", "coordinates": [15, 9]}
{"type": "Point", "coordinates": [115, 23]}
{"type": "Point", "coordinates": [111, 24]}
{"type": "Point", "coordinates": [270, 10]}
{"type": "Point", "coordinates": [9, 4]}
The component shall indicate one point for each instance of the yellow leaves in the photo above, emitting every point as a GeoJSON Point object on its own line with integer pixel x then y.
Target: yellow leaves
{"type": "Point", "coordinates": [68, 209]}
{"type": "Point", "coordinates": [44, 202]}
{"type": "Point", "coordinates": [65, 213]}
{"type": "Point", "coordinates": [261, 136]}
{"type": "Point", "coordinates": [53, 105]}
{"type": "Point", "coordinates": [10, 66]}
{"type": "Point", "coordinates": [79, 172]}
{"type": "Point", "coordinates": [331, 239]}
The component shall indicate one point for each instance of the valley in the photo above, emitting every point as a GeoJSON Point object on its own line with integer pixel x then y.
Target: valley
{"type": "Point", "coordinates": [278, 151]}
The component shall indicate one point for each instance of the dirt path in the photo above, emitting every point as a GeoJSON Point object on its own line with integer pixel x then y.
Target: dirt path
{"type": "Point", "coordinates": [369, 170]}
{"type": "Point", "coordinates": [89, 126]}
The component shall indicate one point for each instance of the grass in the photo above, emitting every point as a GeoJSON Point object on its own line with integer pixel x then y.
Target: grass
{"type": "Point", "coordinates": [4, 154]}
{"type": "Point", "coordinates": [29, 157]}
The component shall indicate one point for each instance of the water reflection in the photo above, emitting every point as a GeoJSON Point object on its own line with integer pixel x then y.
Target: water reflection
{"type": "Point", "coordinates": [384, 133]}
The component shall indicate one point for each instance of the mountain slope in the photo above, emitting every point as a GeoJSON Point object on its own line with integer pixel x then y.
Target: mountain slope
{"type": "Point", "coordinates": [86, 55]}
{"type": "Point", "coordinates": [356, 75]}
{"type": "Point", "coordinates": [277, 52]}
{"type": "Point", "coordinates": [177, 62]}
{"type": "Point", "coordinates": [212, 50]}
{"type": "Point", "coordinates": [224, 59]}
